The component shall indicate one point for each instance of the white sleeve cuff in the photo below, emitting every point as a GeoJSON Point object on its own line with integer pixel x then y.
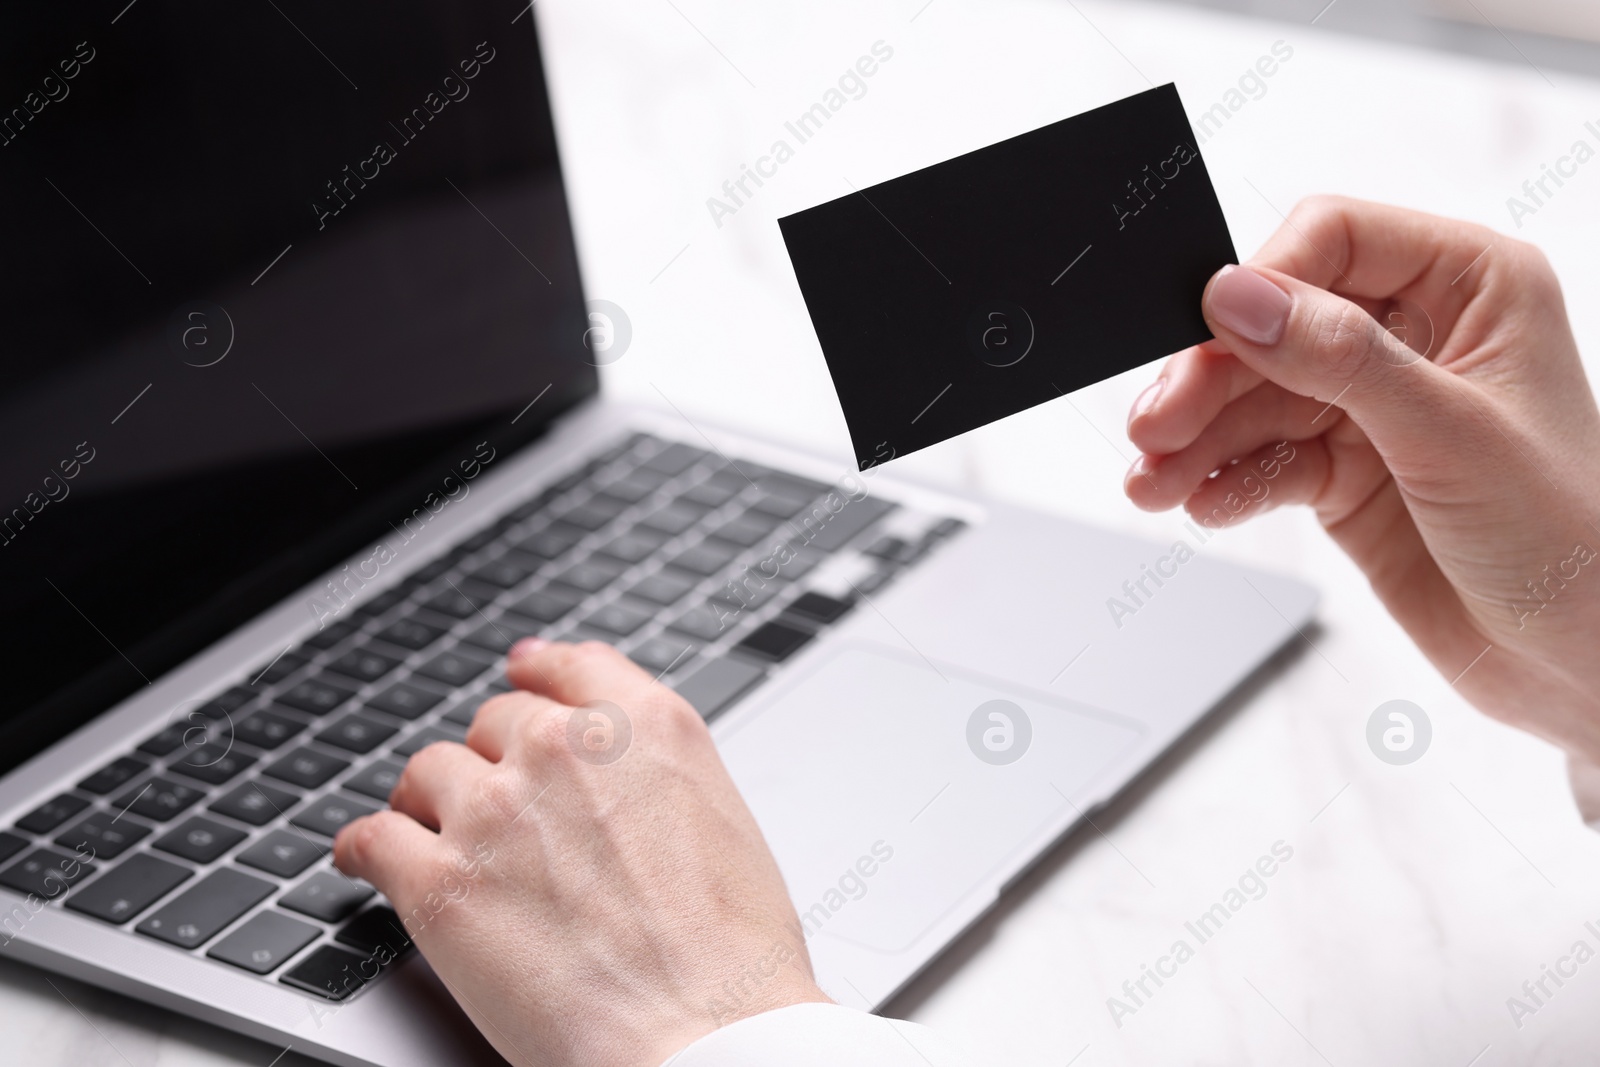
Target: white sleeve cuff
{"type": "Point", "coordinates": [820, 1035]}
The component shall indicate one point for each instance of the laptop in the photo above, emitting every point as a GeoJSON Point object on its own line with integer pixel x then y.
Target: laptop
{"type": "Point", "coordinates": [301, 426]}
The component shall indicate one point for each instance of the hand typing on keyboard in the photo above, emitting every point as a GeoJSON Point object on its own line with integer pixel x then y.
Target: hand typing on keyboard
{"type": "Point", "coordinates": [582, 873]}
{"type": "Point", "coordinates": [1415, 381]}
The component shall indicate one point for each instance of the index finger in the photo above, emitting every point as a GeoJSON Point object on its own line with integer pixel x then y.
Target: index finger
{"type": "Point", "coordinates": [1377, 251]}
{"type": "Point", "coordinates": [575, 674]}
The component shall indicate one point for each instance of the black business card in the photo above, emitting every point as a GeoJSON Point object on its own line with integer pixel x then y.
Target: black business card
{"type": "Point", "coordinates": [1009, 276]}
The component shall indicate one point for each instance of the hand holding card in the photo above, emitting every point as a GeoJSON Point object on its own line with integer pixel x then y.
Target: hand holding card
{"type": "Point", "coordinates": [979, 287]}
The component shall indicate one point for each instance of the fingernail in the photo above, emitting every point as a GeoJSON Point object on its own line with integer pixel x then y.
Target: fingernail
{"type": "Point", "coordinates": [1147, 399]}
{"type": "Point", "coordinates": [527, 646]}
{"type": "Point", "coordinates": [1248, 304]}
{"type": "Point", "coordinates": [1141, 466]}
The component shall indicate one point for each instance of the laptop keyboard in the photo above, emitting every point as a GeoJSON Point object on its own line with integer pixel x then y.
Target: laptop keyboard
{"type": "Point", "coordinates": [213, 834]}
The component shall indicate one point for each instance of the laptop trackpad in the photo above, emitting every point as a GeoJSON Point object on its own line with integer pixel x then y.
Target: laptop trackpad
{"type": "Point", "coordinates": [891, 788]}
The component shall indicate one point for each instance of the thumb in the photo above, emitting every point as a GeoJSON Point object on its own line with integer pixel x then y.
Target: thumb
{"type": "Point", "coordinates": [1318, 344]}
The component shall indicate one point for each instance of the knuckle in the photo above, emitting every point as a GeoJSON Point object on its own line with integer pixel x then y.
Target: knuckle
{"type": "Point", "coordinates": [674, 714]}
{"type": "Point", "coordinates": [495, 798]}
{"type": "Point", "coordinates": [1533, 266]}
{"type": "Point", "coordinates": [542, 733]}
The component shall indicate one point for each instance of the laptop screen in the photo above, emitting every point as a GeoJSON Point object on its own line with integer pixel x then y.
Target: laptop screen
{"type": "Point", "coordinates": [272, 272]}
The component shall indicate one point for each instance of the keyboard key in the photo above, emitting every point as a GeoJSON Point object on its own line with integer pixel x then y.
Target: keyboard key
{"type": "Point", "coordinates": [168, 740]}
{"type": "Point", "coordinates": [330, 814]}
{"type": "Point", "coordinates": [265, 942]}
{"type": "Point", "coordinates": [717, 684]}
{"type": "Point", "coordinates": [776, 641]}
{"type": "Point", "coordinates": [782, 484]}
{"type": "Point", "coordinates": [498, 636]}
{"type": "Point", "coordinates": [283, 853]}
{"type": "Point", "coordinates": [267, 729]}
{"type": "Point", "coordinates": [455, 603]}
{"type": "Point", "coordinates": [306, 768]}
{"type": "Point", "coordinates": [375, 930]}
{"type": "Point", "coordinates": [633, 488]}
{"type": "Point", "coordinates": [117, 773]}
{"type": "Point", "coordinates": [595, 512]}
{"type": "Point", "coordinates": [795, 567]}
{"type": "Point", "coordinates": [328, 972]}
{"type": "Point", "coordinates": [10, 845]}
{"type": "Point", "coordinates": [376, 781]}
{"type": "Point", "coordinates": [502, 574]}
{"type": "Point", "coordinates": [663, 587]}
{"type": "Point", "coordinates": [213, 763]}
{"type": "Point", "coordinates": [706, 558]}
{"type": "Point", "coordinates": [714, 493]}
{"type": "Point", "coordinates": [591, 575]}
{"type": "Point", "coordinates": [45, 873]}
{"type": "Point", "coordinates": [196, 914]}
{"type": "Point", "coordinates": [635, 545]}
{"type": "Point", "coordinates": [384, 602]}
{"type": "Point", "coordinates": [849, 521]}
{"type": "Point", "coordinates": [893, 549]}
{"type": "Point", "coordinates": [159, 799]}
{"type": "Point", "coordinates": [411, 633]}
{"type": "Point", "coordinates": [327, 895]}
{"type": "Point", "coordinates": [332, 634]}
{"type": "Point", "coordinates": [51, 814]}
{"type": "Point", "coordinates": [747, 530]}
{"type": "Point", "coordinates": [818, 608]}
{"type": "Point", "coordinates": [318, 696]}
{"type": "Point", "coordinates": [707, 622]}
{"type": "Point", "coordinates": [256, 803]}
{"type": "Point", "coordinates": [226, 703]}
{"type": "Point", "coordinates": [673, 519]}
{"type": "Point", "coordinates": [547, 605]}
{"type": "Point", "coordinates": [129, 888]}
{"type": "Point", "coordinates": [675, 459]}
{"type": "Point", "coordinates": [660, 653]}
{"type": "Point", "coordinates": [749, 594]}
{"type": "Point", "coordinates": [425, 737]}
{"type": "Point", "coordinates": [404, 700]}
{"type": "Point", "coordinates": [463, 712]}
{"type": "Point", "coordinates": [279, 669]}
{"type": "Point", "coordinates": [357, 733]}
{"type": "Point", "coordinates": [454, 668]}
{"type": "Point", "coordinates": [105, 837]}
{"type": "Point", "coordinates": [748, 473]}
{"type": "Point", "coordinates": [620, 618]}
{"type": "Point", "coordinates": [551, 542]}
{"type": "Point", "coordinates": [781, 505]}
{"type": "Point", "coordinates": [199, 839]}
{"type": "Point", "coordinates": [363, 664]}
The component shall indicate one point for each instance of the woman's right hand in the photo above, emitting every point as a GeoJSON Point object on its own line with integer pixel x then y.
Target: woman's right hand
{"type": "Point", "coordinates": [1426, 379]}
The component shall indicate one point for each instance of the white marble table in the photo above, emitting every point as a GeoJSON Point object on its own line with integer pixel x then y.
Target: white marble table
{"type": "Point", "coordinates": [1418, 898]}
